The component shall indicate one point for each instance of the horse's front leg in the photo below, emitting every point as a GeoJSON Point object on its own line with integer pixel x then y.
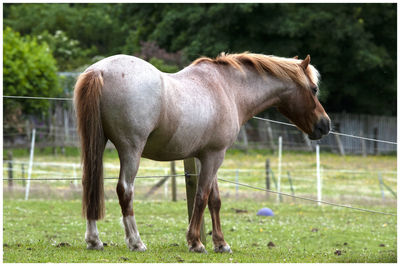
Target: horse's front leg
{"type": "Point", "coordinates": [125, 187]}
{"type": "Point", "coordinates": [214, 205]}
{"type": "Point", "coordinates": [210, 162]}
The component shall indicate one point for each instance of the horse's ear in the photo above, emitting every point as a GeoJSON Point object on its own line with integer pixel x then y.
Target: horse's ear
{"type": "Point", "coordinates": [296, 57]}
{"type": "Point", "coordinates": [304, 64]}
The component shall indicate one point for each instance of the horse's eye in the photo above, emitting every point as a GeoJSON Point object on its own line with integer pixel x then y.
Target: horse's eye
{"type": "Point", "coordinates": [314, 90]}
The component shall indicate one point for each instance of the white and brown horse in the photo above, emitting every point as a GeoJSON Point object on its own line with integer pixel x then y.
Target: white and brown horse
{"type": "Point", "coordinates": [196, 112]}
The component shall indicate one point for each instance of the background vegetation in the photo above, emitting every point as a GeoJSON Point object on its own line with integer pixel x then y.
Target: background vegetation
{"type": "Point", "coordinates": [353, 45]}
{"type": "Point", "coordinates": [29, 69]}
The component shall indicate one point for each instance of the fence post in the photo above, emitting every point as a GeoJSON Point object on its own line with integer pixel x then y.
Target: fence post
{"type": "Point", "coordinates": [273, 179]}
{"type": "Point", "coordinates": [66, 126]}
{"type": "Point", "coordinates": [267, 177]}
{"type": "Point", "coordinates": [375, 143]}
{"type": "Point", "coordinates": [307, 141]}
{"type": "Point", "coordinates": [270, 136]}
{"type": "Point", "coordinates": [363, 144]}
{"type": "Point", "coordinates": [319, 187]}
{"type": "Point", "coordinates": [53, 133]}
{"type": "Point", "coordinates": [23, 174]}
{"type": "Point", "coordinates": [10, 169]}
{"type": "Point", "coordinates": [381, 185]}
{"type": "Point", "coordinates": [279, 197]}
{"type": "Point", "coordinates": [339, 141]}
{"type": "Point", "coordinates": [173, 180]}
{"type": "Point", "coordinates": [291, 184]}
{"type": "Point", "coordinates": [191, 177]}
{"type": "Point", "coordinates": [28, 183]}
{"type": "Point", "coordinates": [340, 145]}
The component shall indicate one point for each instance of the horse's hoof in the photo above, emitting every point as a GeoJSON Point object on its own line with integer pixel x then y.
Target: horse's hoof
{"type": "Point", "coordinates": [198, 249]}
{"type": "Point", "coordinates": [98, 245]}
{"type": "Point", "coordinates": [223, 249]}
{"type": "Point", "coordinates": [140, 247]}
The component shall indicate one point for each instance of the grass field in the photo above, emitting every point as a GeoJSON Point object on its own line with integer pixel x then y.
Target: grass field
{"type": "Point", "coordinates": [49, 228]}
{"type": "Point", "coordinates": [53, 231]}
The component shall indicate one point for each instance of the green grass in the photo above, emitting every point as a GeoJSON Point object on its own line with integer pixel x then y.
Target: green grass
{"type": "Point", "coordinates": [35, 229]}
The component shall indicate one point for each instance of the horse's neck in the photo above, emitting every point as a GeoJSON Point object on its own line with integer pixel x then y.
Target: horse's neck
{"type": "Point", "coordinates": [253, 92]}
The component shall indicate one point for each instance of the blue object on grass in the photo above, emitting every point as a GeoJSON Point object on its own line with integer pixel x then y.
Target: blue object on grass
{"type": "Point", "coordinates": [265, 212]}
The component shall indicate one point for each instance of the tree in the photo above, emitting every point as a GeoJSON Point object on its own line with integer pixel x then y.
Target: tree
{"type": "Point", "coordinates": [354, 46]}
{"type": "Point", "coordinates": [93, 25]}
{"type": "Point", "coordinates": [29, 69]}
{"type": "Point", "coordinates": [67, 52]}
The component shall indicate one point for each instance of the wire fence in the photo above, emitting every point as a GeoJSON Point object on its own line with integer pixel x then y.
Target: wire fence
{"type": "Point", "coordinates": [308, 199]}
{"type": "Point", "coordinates": [232, 170]}
{"type": "Point", "coordinates": [228, 173]}
{"type": "Point", "coordinates": [75, 178]}
{"type": "Point", "coordinates": [56, 132]}
{"type": "Point", "coordinates": [330, 132]}
{"type": "Point", "coordinates": [231, 182]}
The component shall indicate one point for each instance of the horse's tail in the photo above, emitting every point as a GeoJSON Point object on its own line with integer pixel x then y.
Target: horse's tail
{"type": "Point", "coordinates": [87, 106]}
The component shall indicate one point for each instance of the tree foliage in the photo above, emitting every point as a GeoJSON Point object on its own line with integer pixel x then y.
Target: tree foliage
{"type": "Point", "coordinates": [93, 25]}
{"type": "Point", "coordinates": [352, 45]}
{"type": "Point", "coordinates": [66, 51]}
{"type": "Point", "coordinates": [29, 69]}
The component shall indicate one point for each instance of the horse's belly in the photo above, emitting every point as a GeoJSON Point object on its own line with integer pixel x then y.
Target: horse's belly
{"type": "Point", "coordinates": [188, 141]}
{"type": "Point", "coordinates": [163, 155]}
{"type": "Point", "coordinates": [163, 147]}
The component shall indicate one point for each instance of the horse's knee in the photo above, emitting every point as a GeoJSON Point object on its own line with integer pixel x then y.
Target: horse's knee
{"type": "Point", "coordinates": [201, 200]}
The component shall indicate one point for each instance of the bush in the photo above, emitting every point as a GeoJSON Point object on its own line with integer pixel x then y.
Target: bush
{"type": "Point", "coordinates": [67, 52]}
{"type": "Point", "coordinates": [29, 69]}
{"type": "Point", "coordinates": [162, 66]}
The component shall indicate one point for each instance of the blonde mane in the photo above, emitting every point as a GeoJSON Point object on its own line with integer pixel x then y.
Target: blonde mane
{"type": "Point", "coordinates": [288, 69]}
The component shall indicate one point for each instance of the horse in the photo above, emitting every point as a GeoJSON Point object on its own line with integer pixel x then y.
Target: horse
{"type": "Point", "coordinates": [196, 112]}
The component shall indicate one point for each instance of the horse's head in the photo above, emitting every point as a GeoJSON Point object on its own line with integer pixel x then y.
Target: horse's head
{"type": "Point", "coordinates": [301, 105]}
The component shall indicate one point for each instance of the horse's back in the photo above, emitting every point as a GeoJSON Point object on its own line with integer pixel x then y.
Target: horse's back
{"type": "Point", "coordinates": [123, 69]}
{"type": "Point", "coordinates": [169, 117]}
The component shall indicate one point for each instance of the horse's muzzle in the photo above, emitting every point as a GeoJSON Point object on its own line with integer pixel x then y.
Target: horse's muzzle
{"type": "Point", "coordinates": [321, 128]}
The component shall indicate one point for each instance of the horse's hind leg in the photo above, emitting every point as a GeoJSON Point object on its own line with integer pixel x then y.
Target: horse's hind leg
{"type": "Point", "coordinates": [214, 205]}
{"type": "Point", "coordinates": [129, 159]}
{"type": "Point", "coordinates": [92, 236]}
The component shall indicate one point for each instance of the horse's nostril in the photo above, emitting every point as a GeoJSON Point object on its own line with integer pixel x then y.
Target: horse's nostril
{"type": "Point", "coordinates": [324, 125]}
